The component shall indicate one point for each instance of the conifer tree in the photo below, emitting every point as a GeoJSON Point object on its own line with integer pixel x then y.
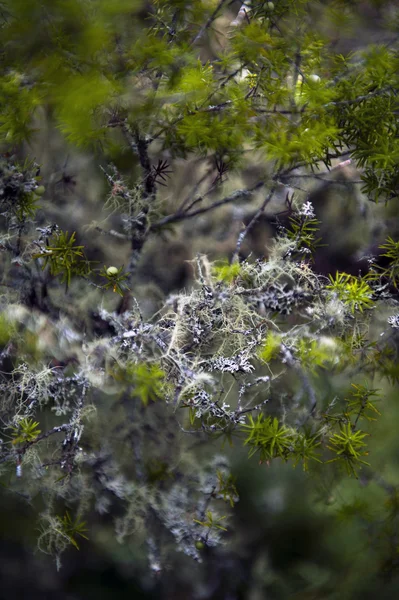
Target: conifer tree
{"type": "Point", "coordinates": [108, 409]}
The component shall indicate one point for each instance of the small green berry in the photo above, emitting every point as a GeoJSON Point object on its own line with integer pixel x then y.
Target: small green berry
{"type": "Point", "coordinates": [112, 271]}
{"type": "Point", "coordinates": [199, 545]}
{"type": "Point", "coordinates": [39, 191]}
{"type": "Point", "coordinates": [270, 5]}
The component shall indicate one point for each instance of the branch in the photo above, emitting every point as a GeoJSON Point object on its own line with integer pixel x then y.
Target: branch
{"type": "Point", "coordinates": [209, 22]}
{"type": "Point", "coordinates": [380, 92]}
{"type": "Point", "coordinates": [20, 451]}
{"type": "Point", "coordinates": [181, 216]}
{"type": "Point", "coordinates": [241, 15]}
{"type": "Point", "coordinates": [140, 146]}
{"type": "Point", "coordinates": [244, 233]}
{"type": "Point", "coordinates": [112, 233]}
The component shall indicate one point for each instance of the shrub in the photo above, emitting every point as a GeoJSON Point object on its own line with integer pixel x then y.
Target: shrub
{"type": "Point", "coordinates": [265, 354]}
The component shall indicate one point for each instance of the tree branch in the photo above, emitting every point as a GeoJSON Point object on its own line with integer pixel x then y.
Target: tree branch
{"type": "Point", "coordinates": [181, 216]}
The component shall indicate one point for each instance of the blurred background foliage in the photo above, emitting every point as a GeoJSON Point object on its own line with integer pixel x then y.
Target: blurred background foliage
{"type": "Point", "coordinates": [292, 535]}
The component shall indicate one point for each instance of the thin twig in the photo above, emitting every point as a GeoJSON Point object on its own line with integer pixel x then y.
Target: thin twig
{"type": "Point", "coordinates": [245, 232]}
{"type": "Point", "coordinates": [237, 195]}
{"type": "Point", "coordinates": [209, 22]}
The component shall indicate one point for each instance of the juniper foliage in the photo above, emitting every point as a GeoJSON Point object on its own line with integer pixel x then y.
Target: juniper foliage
{"type": "Point", "coordinates": [244, 356]}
